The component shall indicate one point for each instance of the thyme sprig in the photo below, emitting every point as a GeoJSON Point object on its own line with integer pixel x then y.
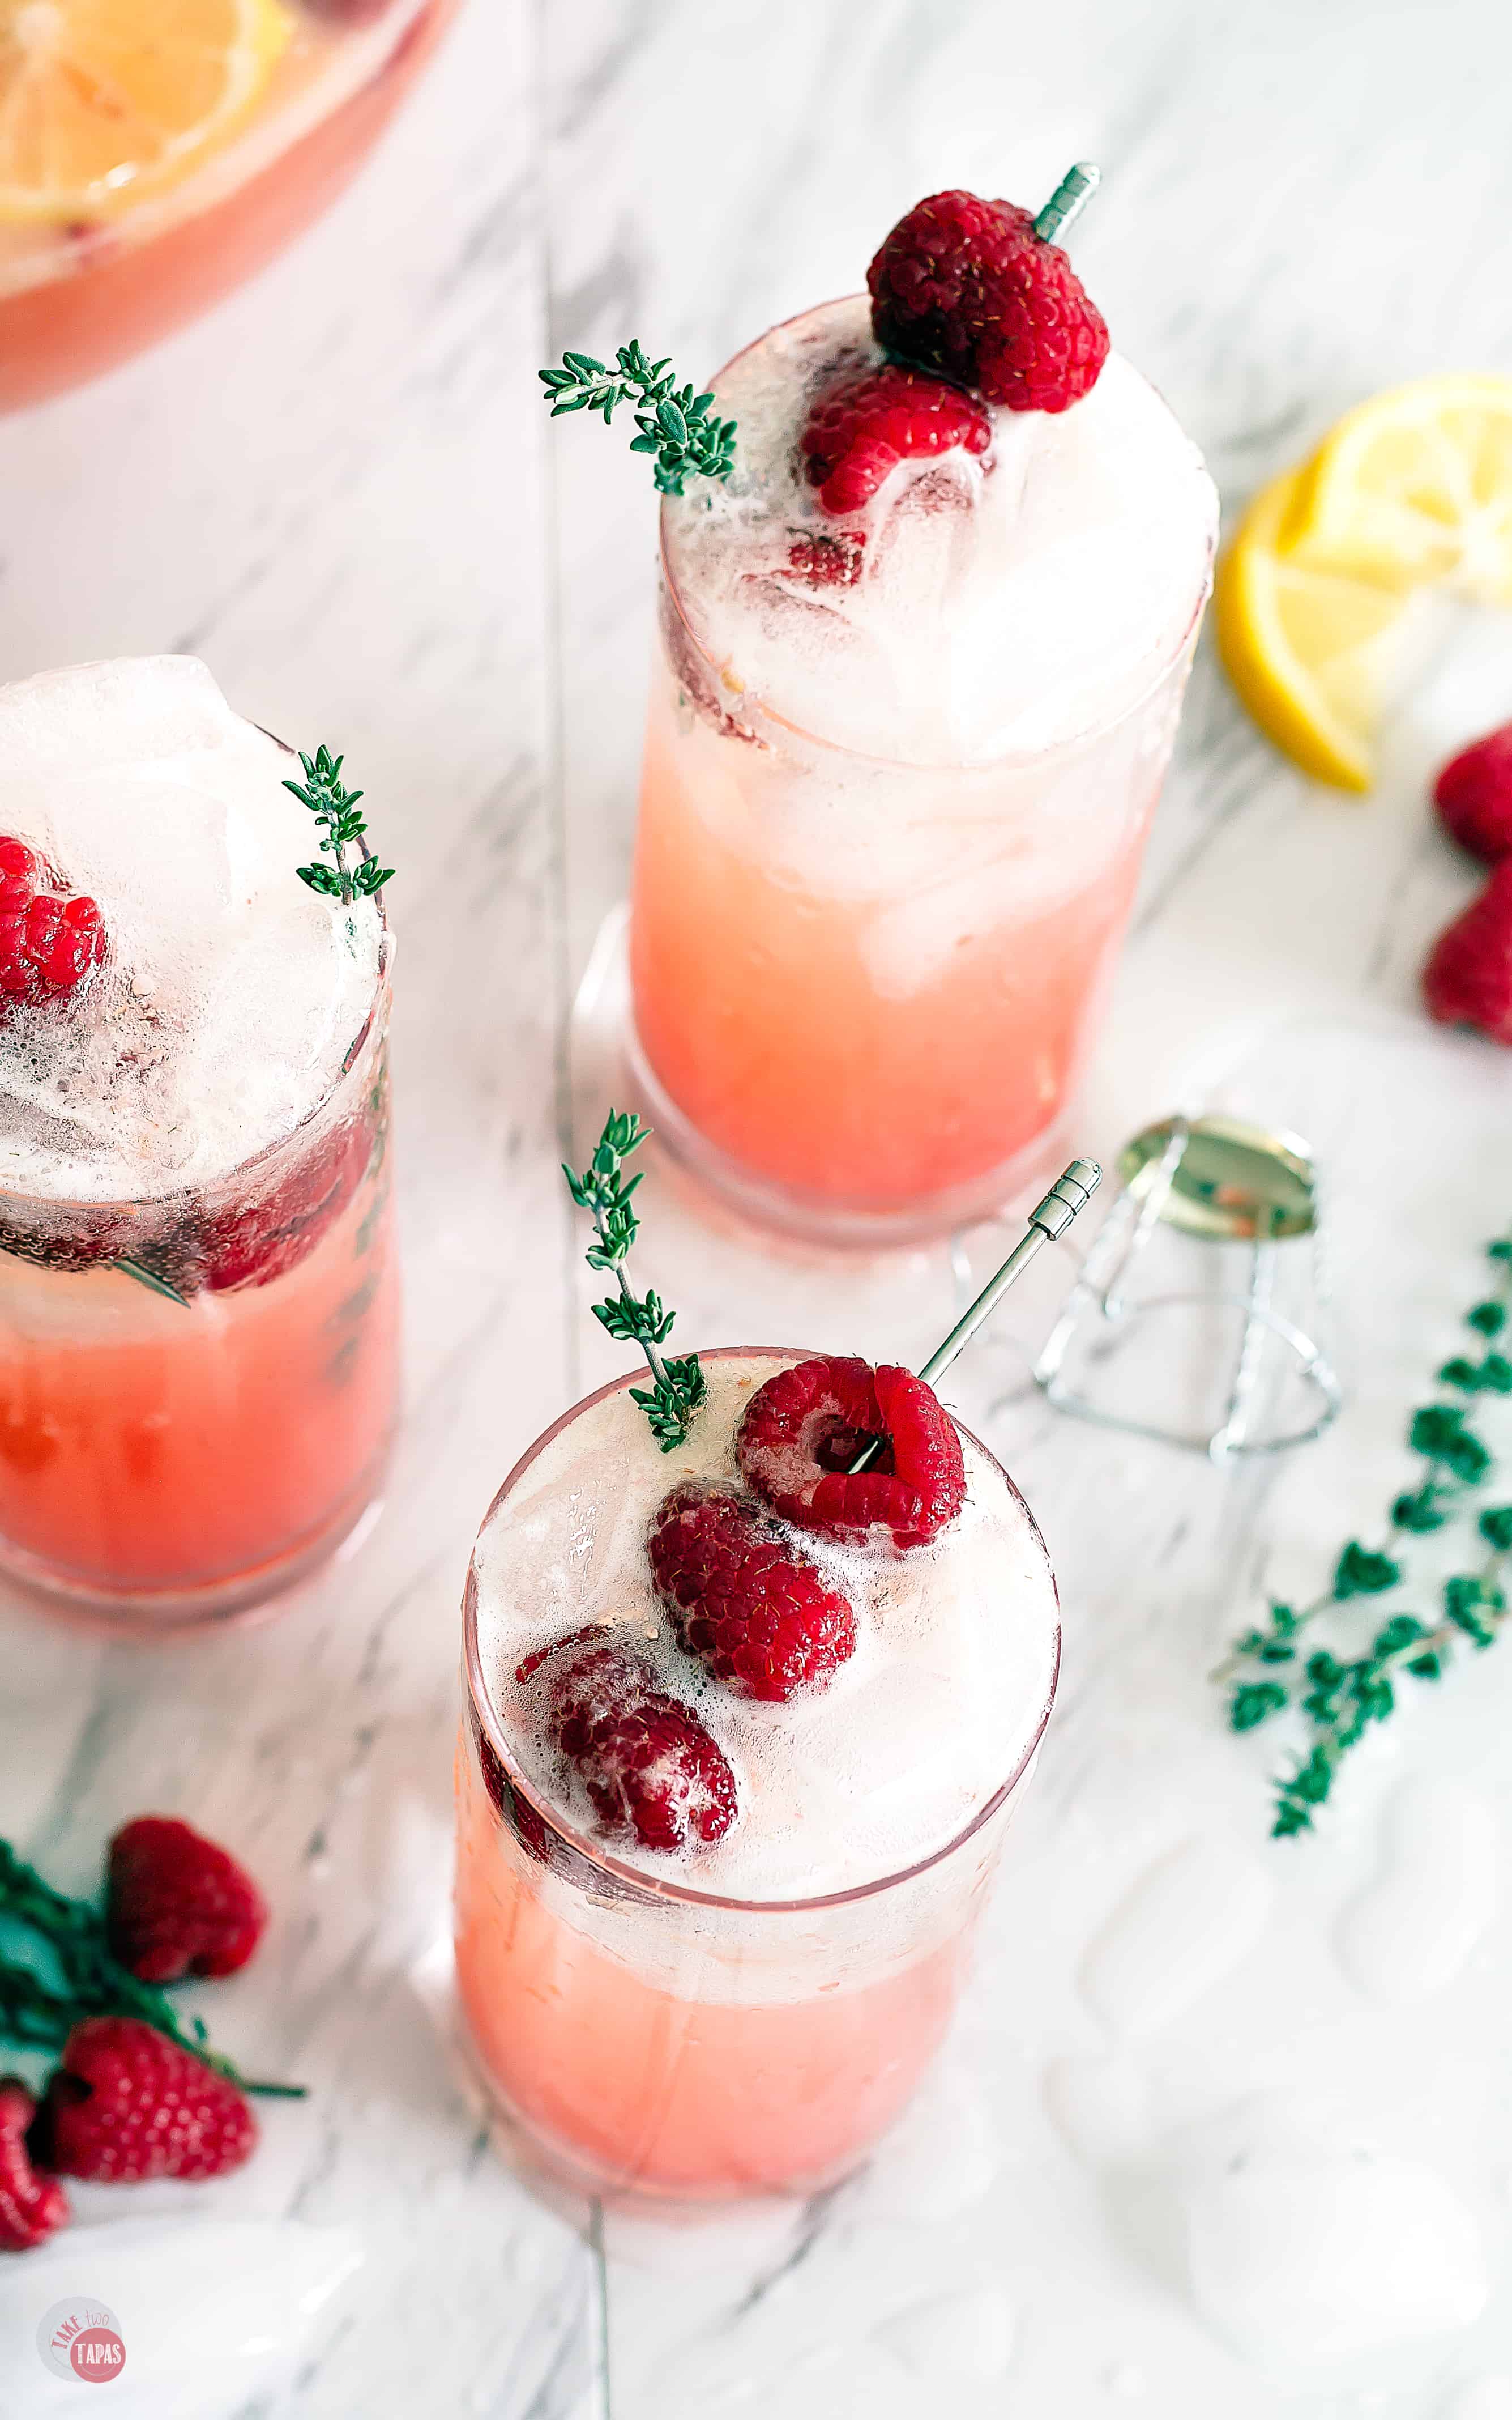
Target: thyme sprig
{"type": "Point", "coordinates": [677, 1385]}
{"type": "Point", "coordinates": [1269, 1671]}
{"type": "Point", "coordinates": [334, 806]}
{"type": "Point", "coordinates": [671, 422]}
{"type": "Point", "coordinates": [37, 2016]}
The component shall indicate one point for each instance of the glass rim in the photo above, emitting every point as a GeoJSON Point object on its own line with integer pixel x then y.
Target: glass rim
{"type": "Point", "coordinates": [95, 1206]}
{"type": "Point", "coordinates": [1083, 737]}
{"type": "Point", "coordinates": [655, 1886]}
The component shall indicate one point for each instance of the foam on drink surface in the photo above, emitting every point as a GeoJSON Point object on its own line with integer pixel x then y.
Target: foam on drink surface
{"type": "Point", "coordinates": [937, 1708]}
{"type": "Point", "coordinates": [232, 993]}
{"type": "Point", "coordinates": [1008, 602]}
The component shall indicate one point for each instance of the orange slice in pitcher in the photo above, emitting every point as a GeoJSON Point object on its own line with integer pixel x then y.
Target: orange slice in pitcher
{"type": "Point", "coordinates": [104, 100]}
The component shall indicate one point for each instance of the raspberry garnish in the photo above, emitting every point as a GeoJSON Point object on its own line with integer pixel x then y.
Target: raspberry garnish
{"type": "Point", "coordinates": [752, 1608]}
{"type": "Point", "coordinates": [126, 2104]}
{"type": "Point", "coordinates": [258, 1242]}
{"type": "Point", "coordinates": [1468, 978]}
{"type": "Point", "coordinates": [176, 1904]}
{"type": "Point", "coordinates": [803, 1429]}
{"type": "Point", "coordinates": [867, 422]}
{"type": "Point", "coordinates": [967, 287]}
{"type": "Point", "coordinates": [32, 2206]}
{"type": "Point", "coordinates": [828, 559]}
{"type": "Point", "coordinates": [1474, 796]}
{"type": "Point", "coordinates": [50, 940]}
{"type": "Point", "coordinates": [649, 1765]}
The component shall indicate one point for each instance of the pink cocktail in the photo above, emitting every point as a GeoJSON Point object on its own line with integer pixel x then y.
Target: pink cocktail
{"type": "Point", "coordinates": [745, 2018]}
{"type": "Point", "coordinates": [899, 773]}
{"type": "Point", "coordinates": [198, 1292]}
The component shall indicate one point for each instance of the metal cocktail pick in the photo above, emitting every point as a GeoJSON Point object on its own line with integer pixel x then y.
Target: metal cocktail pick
{"type": "Point", "coordinates": [1070, 1194]}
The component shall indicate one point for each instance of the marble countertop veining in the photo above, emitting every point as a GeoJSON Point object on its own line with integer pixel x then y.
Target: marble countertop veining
{"type": "Point", "coordinates": [341, 489]}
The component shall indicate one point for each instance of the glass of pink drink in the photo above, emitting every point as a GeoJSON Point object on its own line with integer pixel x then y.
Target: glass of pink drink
{"type": "Point", "coordinates": [899, 772]}
{"type": "Point", "coordinates": [198, 1291]}
{"type": "Point", "coordinates": [746, 2016]}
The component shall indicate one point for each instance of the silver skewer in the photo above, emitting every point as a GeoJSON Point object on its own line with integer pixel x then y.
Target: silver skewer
{"type": "Point", "coordinates": [1071, 1193]}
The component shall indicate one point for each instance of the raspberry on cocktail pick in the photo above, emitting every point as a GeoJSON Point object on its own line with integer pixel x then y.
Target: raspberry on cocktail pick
{"type": "Point", "coordinates": [870, 1457]}
{"type": "Point", "coordinates": [981, 292]}
{"type": "Point", "coordinates": [678, 1386]}
{"type": "Point", "coordinates": [671, 422]}
{"type": "Point", "coordinates": [334, 806]}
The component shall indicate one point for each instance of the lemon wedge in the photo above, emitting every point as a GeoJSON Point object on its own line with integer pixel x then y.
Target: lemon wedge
{"type": "Point", "coordinates": [102, 101]}
{"type": "Point", "coordinates": [1308, 649]}
{"type": "Point", "coordinates": [1414, 488]}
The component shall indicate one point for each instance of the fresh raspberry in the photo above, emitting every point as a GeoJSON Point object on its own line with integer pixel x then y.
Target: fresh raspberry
{"type": "Point", "coordinates": [1474, 796]}
{"type": "Point", "coordinates": [1468, 978]}
{"type": "Point", "coordinates": [828, 560]}
{"type": "Point", "coordinates": [750, 1607]}
{"type": "Point", "coordinates": [265, 1237]}
{"type": "Point", "coordinates": [32, 2206]}
{"type": "Point", "coordinates": [968, 289]}
{"type": "Point", "coordinates": [50, 940]}
{"type": "Point", "coordinates": [649, 1764]}
{"type": "Point", "coordinates": [860, 428]}
{"type": "Point", "coordinates": [804, 1428]}
{"type": "Point", "coordinates": [128, 2103]}
{"type": "Point", "coordinates": [176, 1905]}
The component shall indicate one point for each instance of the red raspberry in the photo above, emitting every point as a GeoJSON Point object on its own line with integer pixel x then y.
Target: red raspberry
{"type": "Point", "coordinates": [828, 560]}
{"type": "Point", "coordinates": [649, 1764]}
{"type": "Point", "coordinates": [32, 2206]}
{"type": "Point", "coordinates": [804, 1428]}
{"type": "Point", "coordinates": [967, 287]}
{"type": "Point", "coordinates": [860, 428]}
{"type": "Point", "coordinates": [258, 1242]}
{"type": "Point", "coordinates": [1474, 796]}
{"type": "Point", "coordinates": [1468, 978]}
{"type": "Point", "coordinates": [750, 1607]}
{"type": "Point", "coordinates": [128, 2103]}
{"type": "Point", "coordinates": [176, 1905]}
{"type": "Point", "coordinates": [50, 940]}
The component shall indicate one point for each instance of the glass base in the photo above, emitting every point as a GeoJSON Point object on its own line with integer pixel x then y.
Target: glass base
{"type": "Point", "coordinates": [604, 1041]}
{"type": "Point", "coordinates": [152, 1614]}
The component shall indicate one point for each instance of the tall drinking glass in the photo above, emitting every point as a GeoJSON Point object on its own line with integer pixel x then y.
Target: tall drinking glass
{"type": "Point", "coordinates": [898, 778]}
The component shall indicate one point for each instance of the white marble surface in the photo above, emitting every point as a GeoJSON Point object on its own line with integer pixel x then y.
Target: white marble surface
{"type": "Point", "coordinates": [341, 489]}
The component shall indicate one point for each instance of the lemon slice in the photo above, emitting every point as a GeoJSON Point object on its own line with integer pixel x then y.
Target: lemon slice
{"type": "Point", "coordinates": [1307, 649]}
{"type": "Point", "coordinates": [102, 101]}
{"type": "Point", "coordinates": [1414, 487]}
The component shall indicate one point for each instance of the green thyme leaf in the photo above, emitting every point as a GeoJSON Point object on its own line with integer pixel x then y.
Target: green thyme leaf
{"type": "Point", "coordinates": [334, 808]}
{"type": "Point", "coordinates": [672, 424]}
{"type": "Point", "coordinates": [603, 1189]}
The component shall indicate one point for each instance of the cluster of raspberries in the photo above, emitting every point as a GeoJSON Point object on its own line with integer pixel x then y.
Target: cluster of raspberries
{"type": "Point", "coordinates": [1468, 978]}
{"type": "Point", "coordinates": [972, 308]}
{"type": "Point", "coordinates": [127, 2102]}
{"type": "Point", "coordinates": [742, 1596]}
